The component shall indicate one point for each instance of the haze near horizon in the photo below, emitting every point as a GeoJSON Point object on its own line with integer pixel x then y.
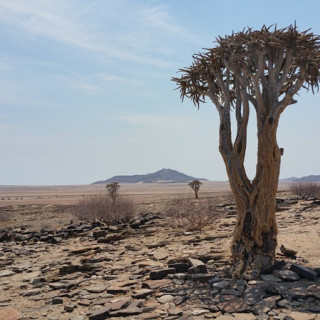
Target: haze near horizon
{"type": "Point", "coordinates": [86, 91]}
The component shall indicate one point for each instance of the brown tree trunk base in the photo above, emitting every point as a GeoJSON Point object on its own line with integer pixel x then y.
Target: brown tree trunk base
{"type": "Point", "coordinates": [249, 258]}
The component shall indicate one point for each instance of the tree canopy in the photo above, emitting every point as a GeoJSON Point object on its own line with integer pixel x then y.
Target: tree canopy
{"type": "Point", "coordinates": [279, 61]}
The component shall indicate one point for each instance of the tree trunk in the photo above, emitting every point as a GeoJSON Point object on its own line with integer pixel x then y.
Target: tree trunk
{"type": "Point", "coordinates": [255, 233]}
{"type": "Point", "coordinates": [196, 194]}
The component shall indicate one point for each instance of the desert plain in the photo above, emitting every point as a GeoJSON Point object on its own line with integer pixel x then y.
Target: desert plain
{"type": "Point", "coordinates": [53, 266]}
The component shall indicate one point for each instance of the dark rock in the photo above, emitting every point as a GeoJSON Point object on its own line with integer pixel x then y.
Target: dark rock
{"type": "Point", "coordinates": [117, 304]}
{"type": "Point", "coordinates": [100, 314]}
{"type": "Point", "coordinates": [126, 312]}
{"type": "Point", "coordinates": [99, 233]}
{"type": "Point", "coordinates": [284, 303]}
{"type": "Point", "coordinates": [198, 269]}
{"type": "Point", "coordinates": [204, 277]}
{"type": "Point", "coordinates": [265, 305]}
{"type": "Point", "coordinates": [317, 270]}
{"type": "Point", "coordinates": [274, 287]}
{"type": "Point", "coordinates": [299, 293]}
{"type": "Point", "coordinates": [234, 305]}
{"type": "Point", "coordinates": [315, 309]}
{"type": "Point", "coordinates": [57, 300]}
{"type": "Point", "coordinates": [56, 240]}
{"type": "Point", "coordinates": [160, 274]}
{"type": "Point", "coordinates": [4, 235]}
{"type": "Point", "coordinates": [287, 275]}
{"type": "Point", "coordinates": [69, 307]}
{"type": "Point", "coordinates": [111, 238]}
{"type": "Point", "coordinates": [83, 228]}
{"type": "Point", "coordinates": [303, 271]}
{"type": "Point", "coordinates": [253, 295]}
{"type": "Point", "coordinates": [277, 265]}
{"type": "Point", "coordinates": [180, 267]}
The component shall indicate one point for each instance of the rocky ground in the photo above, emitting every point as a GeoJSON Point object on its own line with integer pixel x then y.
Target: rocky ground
{"type": "Point", "coordinates": [148, 270]}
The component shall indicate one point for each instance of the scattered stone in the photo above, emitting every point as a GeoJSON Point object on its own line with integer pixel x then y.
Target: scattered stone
{"type": "Point", "coordinates": [166, 298]}
{"type": "Point", "coordinates": [57, 300]}
{"type": "Point", "coordinates": [197, 266]}
{"type": "Point", "coordinates": [160, 274]}
{"type": "Point", "coordinates": [286, 275]}
{"type": "Point", "coordinates": [315, 309]}
{"type": "Point", "coordinates": [284, 303]}
{"type": "Point", "coordinates": [199, 312]}
{"type": "Point", "coordinates": [69, 307]}
{"type": "Point", "coordinates": [126, 312]}
{"type": "Point", "coordinates": [7, 273]}
{"type": "Point", "coordinates": [220, 285]}
{"type": "Point", "coordinates": [99, 233]}
{"type": "Point", "coordinates": [111, 238]}
{"type": "Point", "coordinates": [32, 292]}
{"type": "Point", "coordinates": [96, 289]}
{"type": "Point", "coordinates": [233, 305]}
{"type": "Point", "coordinates": [57, 285]}
{"type": "Point", "coordinates": [142, 293]}
{"type": "Point", "coordinates": [119, 303]}
{"type": "Point", "coordinates": [253, 295]}
{"type": "Point", "coordinates": [277, 265]}
{"type": "Point", "coordinates": [100, 314]}
{"type": "Point", "coordinates": [303, 271]}
{"type": "Point", "coordinates": [180, 267]}
{"type": "Point", "coordinates": [160, 254]}
{"type": "Point", "coordinates": [175, 312]}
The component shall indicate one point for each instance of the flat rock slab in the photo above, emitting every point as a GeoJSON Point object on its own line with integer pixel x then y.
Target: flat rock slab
{"type": "Point", "coordinates": [9, 314]}
{"type": "Point", "coordinates": [286, 275]}
{"type": "Point", "coordinates": [100, 314]}
{"type": "Point", "coordinates": [166, 298]}
{"type": "Point", "coordinates": [234, 305]}
{"type": "Point", "coordinates": [126, 312]}
{"type": "Point", "coordinates": [7, 273]}
{"type": "Point", "coordinates": [303, 271]}
{"type": "Point", "coordinates": [160, 254]}
{"type": "Point", "coordinates": [142, 293]}
{"type": "Point", "coordinates": [160, 274]}
{"type": "Point", "coordinates": [254, 295]}
{"type": "Point", "coordinates": [155, 284]}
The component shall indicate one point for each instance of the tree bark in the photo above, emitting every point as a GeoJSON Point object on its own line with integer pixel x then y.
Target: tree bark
{"type": "Point", "coordinates": [255, 232]}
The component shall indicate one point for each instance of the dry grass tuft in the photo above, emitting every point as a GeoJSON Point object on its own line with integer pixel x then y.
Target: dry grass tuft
{"type": "Point", "coordinates": [191, 215]}
{"type": "Point", "coordinates": [305, 189]}
{"type": "Point", "coordinates": [103, 208]}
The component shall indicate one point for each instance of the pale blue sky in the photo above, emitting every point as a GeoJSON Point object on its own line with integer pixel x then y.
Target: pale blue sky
{"type": "Point", "coordinates": [85, 90]}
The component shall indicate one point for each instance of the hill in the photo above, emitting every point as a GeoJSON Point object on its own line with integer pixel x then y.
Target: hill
{"type": "Point", "coordinates": [311, 178]}
{"type": "Point", "coordinates": [164, 175]}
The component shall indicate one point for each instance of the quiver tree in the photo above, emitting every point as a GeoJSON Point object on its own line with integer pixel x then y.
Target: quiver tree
{"type": "Point", "coordinates": [259, 70]}
{"type": "Point", "coordinates": [195, 186]}
{"type": "Point", "coordinates": [113, 189]}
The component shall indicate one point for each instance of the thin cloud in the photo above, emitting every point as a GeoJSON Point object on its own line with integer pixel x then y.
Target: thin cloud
{"type": "Point", "coordinates": [73, 25]}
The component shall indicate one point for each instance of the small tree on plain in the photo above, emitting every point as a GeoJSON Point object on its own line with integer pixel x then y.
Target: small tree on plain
{"type": "Point", "coordinates": [113, 189]}
{"type": "Point", "coordinates": [261, 70]}
{"type": "Point", "coordinates": [195, 186]}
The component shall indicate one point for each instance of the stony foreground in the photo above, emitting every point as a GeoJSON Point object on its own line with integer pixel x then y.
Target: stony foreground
{"type": "Point", "coordinates": [148, 270]}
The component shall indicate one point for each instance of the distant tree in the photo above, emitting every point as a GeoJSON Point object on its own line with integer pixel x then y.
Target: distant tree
{"type": "Point", "coordinates": [195, 186]}
{"type": "Point", "coordinates": [113, 189]}
{"type": "Point", "coordinates": [262, 70]}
